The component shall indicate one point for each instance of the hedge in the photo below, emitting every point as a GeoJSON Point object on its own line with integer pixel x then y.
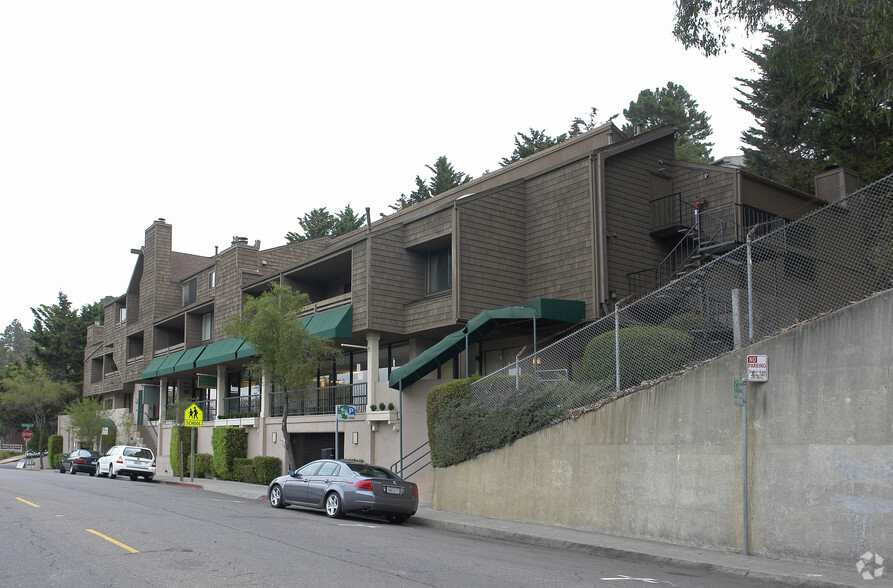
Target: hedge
{"type": "Point", "coordinates": [54, 450]}
{"type": "Point", "coordinates": [645, 353]}
{"type": "Point", "coordinates": [266, 468]}
{"type": "Point", "coordinates": [228, 443]}
{"type": "Point", "coordinates": [442, 397]}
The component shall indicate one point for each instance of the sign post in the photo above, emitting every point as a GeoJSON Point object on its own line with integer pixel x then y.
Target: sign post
{"type": "Point", "coordinates": [343, 412]}
{"type": "Point", "coordinates": [757, 371]}
{"type": "Point", "coordinates": [26, 436]}
{"type": "Point", "coordinates": [193, 417]}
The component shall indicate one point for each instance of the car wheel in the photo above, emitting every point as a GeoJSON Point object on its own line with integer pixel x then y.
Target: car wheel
{"type": "Point", "coordinates": [397, 519]}
{"type": "Point", "coordinates": [333, 506]}
{"type": "Point", "coordinates": [61, 469]}
{"type": "Point", "coordinates": [134, 477]}
{"type": "Point", "coordinates": [112, 473]}
{"type": "Point", "coordinates": [276, 497]}
{"type": "Point", "coordinates": [72, 471]}
{"type": "Point", "coordinates": [148, 478]}
{"type": "Point", "coordinates": [93, 473]}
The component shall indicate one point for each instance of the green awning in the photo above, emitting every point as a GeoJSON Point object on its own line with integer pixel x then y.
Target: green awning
{"type": "Point", "coordinates": [170, 363]}
{"type": "Point", "coordinates": [219, 352]}
{"type": "Point", "coordinates": [246, 350]}
{"type": "Point", "coordinates": [187, 361]}
{"type": "Point", "coordinates": [331, 324]}
{"type": "Point", "coordinates": [151, 370]}
{"type": "Point", "coordinates": [568, 311]}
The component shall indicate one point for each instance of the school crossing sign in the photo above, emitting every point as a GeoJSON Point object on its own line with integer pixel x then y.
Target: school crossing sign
{"type": "Point", "coordinates": [193, 416]}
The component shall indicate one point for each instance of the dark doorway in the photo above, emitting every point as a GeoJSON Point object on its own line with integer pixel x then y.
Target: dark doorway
{"type": "Point", "coordinates": [310, 446]}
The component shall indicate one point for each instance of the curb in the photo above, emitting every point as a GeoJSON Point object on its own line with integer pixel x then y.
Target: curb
{"type": "Point", "coordinates": [628, 554]}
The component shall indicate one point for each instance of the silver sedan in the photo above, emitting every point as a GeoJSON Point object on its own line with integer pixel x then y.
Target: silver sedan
{"type": "Point", "coordinates": [341, 487]}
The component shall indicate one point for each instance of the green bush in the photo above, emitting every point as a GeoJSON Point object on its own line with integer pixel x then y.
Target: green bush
{"type": "Point", "coordinates": [54, 450]}
{"type": "Point", "coordinates": [244, 470]}
{"type": "Point", "coordinates": [645, 353]}
{"type": "Point", "coordinates": [204, 465]}
{"type": "Point", "coordinates": [228, 444]}
{"type": "Point", "coordinates": [464, 431]}
{"type": "Point", "coordinates": [266, 468]}
{"type": "Point", "coordinates": [440, 398]}
{"type": "Point", "coordinates": [177, 433]}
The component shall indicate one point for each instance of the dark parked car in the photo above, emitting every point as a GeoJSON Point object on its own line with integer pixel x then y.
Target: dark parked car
{"type": "Point", "coordinates": [341, 487]}
{"type": "Point", "coordinates": [79, 460]}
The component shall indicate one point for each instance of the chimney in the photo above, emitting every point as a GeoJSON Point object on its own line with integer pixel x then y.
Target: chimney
{"type": "Point", "coordinates": [835, 183]}
{"type": "Point", "coordinates": [638, 130]}
{"type": "Point", "coordinates": [239, 240]}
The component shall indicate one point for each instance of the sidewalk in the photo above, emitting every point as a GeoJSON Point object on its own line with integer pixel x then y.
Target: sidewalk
{"type": "Point", "coordinates": [778, 572]}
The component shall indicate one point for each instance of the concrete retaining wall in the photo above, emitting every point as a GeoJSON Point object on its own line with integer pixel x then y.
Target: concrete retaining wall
{"type": "Point", "coordinates": [666, 463]}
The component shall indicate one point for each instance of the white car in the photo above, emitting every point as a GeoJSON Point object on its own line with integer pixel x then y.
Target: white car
{"type": "Point", "coordinates": [127, 460]}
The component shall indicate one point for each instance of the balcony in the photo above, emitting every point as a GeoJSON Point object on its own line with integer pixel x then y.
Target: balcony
{"type": "Point", "coordinates": [318, 401]}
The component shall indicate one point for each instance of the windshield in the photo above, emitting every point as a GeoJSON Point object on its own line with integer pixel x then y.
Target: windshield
{"type": "Point", "coordinates": [140, 452]}
{"type": "Point", "coordinates": [371, 471]}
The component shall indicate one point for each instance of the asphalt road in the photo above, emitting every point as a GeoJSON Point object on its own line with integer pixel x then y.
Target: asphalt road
{"type": "Point", "coordinates": [79, 530]}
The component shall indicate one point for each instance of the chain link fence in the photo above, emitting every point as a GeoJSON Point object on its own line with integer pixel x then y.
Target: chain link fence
{"type": "Point", "coordinates": [783, 275]}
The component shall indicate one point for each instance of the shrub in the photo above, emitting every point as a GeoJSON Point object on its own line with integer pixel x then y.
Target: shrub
{"type": "Point", "coordinates": [228, 444]}
{"type": "Point", "coordinates": [267, 468]}
{"type": "Point", "coordinates": [54, 450]}
{"type": "Point", "coordinates": [645, 353]}
{"type": "Point", "coordinates": [244, 470]}
{"type": "Point", "coordinates": [462, 431]}
{"type": "Point", "coordinates": [204, 465]}
{"type": "Point", "coordinates": [441, 397]}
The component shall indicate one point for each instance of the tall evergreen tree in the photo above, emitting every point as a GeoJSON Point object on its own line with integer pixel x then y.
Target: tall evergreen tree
{"type": "Point", "coordinates": [346, 221]}
{"type": "Point", "coordinates": [316, 223]}
{"type": "Point", "coordinates": [15, 344]}
{"type": "Point", "coordinates": [445, 177]}
{"type": "Point", "coordinates": [526, 145]}
{"type": "Point", "coordinates": [60, 335]}
{"type": "Point", "coordinates": [319, 222]}
{"type": "Point", "coordinates": [580, 125]}
{"type": "Point", "coordinates": [672, 105]}
{"type": "Point", "coordinates": [809, 113]}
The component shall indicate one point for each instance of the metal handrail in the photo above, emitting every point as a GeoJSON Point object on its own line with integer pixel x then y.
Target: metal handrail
{"type": "Point", "coordinates": [396, 464]}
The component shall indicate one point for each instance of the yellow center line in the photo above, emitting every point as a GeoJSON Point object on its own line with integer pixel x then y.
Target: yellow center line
{"type": "Point", "coordinates": [28, 503]}
{"type": "Point", "coordinates": [109, 539]}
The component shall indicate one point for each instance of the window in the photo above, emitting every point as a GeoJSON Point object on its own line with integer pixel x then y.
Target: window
{"type": "Point", "coordinates": [329, 469]}
{"type": "Point", "coordinates": [212, 281]}
{"type": "Point", "coordinates": [122, 315]}
{"type": "Point", "coordinates": [440, 272]}
{"type": "Point", "coordinates": [188, 293]}
{"type": "Point", "coordinates": [207, 326]}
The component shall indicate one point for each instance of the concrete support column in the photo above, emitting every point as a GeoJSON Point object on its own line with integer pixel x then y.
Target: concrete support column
{"type": "Point", "coordinates": [372, 343]}
{"type": "Point", "coordinates": [222, 389]}
{"type": "Point", "coordinates": [162, 415]}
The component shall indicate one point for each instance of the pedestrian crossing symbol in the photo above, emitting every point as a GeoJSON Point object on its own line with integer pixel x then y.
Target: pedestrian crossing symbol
{"type": "Point", "coordinates": [193, 416]}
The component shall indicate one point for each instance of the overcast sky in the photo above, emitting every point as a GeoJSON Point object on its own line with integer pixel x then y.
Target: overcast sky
{"type": "Point", "coordinates": [237, 118]}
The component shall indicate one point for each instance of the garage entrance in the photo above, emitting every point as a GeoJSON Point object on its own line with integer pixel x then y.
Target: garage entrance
{"type": "Point", "coordinates": [310, 446]}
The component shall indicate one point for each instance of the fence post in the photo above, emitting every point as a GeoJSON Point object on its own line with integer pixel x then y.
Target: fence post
{"type": "Point", "coordinates": [617, 347]}
{"type": "Point", "coordinates": [750, 286]}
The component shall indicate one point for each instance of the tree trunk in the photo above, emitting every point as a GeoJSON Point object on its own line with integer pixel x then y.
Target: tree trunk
{"type": "Point", "coordinates": [286, 436]}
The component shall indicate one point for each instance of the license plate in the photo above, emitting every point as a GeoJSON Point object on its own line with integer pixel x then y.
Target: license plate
{"type": "Point", "coordinates": [393, 490]}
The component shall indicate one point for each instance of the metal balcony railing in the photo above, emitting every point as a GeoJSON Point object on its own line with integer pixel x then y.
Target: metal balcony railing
{"type": "Point", "coordinates": [323, 400]}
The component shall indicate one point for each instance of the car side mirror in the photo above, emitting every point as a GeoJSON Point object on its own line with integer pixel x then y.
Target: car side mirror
{"type": "Point", "coordinates": [293, 473]}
